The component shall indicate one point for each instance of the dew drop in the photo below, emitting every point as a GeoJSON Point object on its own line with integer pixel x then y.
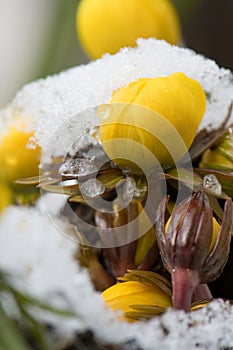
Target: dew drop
{"type": "Point", "coordinates": [77, 167]}
{"type": "Point", "coordinates": [130, 190]}
{"type": "Point", "coordinates": [211, 184]}
{"type": "Point", "coordinates": [92, 188]}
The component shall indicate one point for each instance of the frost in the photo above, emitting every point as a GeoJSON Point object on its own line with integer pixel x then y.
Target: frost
{"type": "Point", "coordinates": [62, 105]}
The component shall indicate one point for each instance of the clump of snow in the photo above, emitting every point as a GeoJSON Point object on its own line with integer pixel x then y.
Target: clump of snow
{"type": "Point", "coordinates": [41, 261]}
{"type": "Point", "coordinates": [57, 103]}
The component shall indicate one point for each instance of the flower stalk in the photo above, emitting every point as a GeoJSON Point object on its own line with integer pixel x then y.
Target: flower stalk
{"type": "Point", "coordinates": [184, 283]}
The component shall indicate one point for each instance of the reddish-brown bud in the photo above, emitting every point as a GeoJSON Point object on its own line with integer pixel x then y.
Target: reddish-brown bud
{"type": "Point", "coordinates": [185, 247]}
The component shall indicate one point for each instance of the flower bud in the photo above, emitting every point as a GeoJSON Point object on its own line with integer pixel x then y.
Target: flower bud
{"type": "Point", "coordinates": [17, 160]}
{"type": "Point", "coordinates": [152, 120]}
{"type": "Point", "coordinates": [105, 26]}
{"type": "Point", "coordinates": [191, 251]}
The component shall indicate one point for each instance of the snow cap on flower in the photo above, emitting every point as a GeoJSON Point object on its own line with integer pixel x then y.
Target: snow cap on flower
{"type": "Point", "coordinates": [164, 128]}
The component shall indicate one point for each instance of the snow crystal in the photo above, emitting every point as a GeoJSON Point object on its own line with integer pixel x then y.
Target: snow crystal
{"type": "Point", "coordinates": [62, 105]}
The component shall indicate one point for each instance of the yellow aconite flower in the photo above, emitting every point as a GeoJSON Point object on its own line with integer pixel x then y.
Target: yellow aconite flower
{"type": "Point", "coordinates": [6, 196]}
{"type": "Point", "coordinates": [17, 161]}
{"type": "Point", "coordinates": [164, 129]}
{"type": "Point", "coordinates": [105, 26]}
{"type": "Point", "coordinates": [122, 296]}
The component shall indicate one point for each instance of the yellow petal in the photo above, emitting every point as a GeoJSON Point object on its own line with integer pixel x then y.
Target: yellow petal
{"type": "Point", "coordinates": [152, 119]}
{"type": "Point", "coordinates": [122, 295]}
{"type": "Point", "coordinates": [105, 26]}
{"type": "Point", "coordinates": [145, 242]}
{"type": "Point", "coordinates": [216, 228]}
{"type": "Point", "coordinates": [212, 159]}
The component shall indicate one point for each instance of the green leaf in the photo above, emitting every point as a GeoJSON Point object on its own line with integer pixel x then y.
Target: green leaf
{"type": "Point", "coordinates": [10, 336]}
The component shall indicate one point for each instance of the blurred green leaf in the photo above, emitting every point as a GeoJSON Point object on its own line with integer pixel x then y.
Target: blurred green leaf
{"type": "Point", "coordinates": [10, 336]}
{"type": "Point", "coordinates": [15, 335]}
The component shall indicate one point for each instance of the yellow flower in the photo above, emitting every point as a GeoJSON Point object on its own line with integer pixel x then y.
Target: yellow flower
{"type": "Point", "coordinates": [16, 159]}
{"type": "Point", "coordinates": [6, 197]}
{"type": "Point", "coordinates": [105, 26]}
{"type": "Point", "coordinates": [152, 118]}
{"type": "Point", "coordinates": [123, 296]}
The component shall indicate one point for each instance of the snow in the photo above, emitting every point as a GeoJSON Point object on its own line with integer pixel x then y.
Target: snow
{"type": "Point", "coordinates": [62, 105]}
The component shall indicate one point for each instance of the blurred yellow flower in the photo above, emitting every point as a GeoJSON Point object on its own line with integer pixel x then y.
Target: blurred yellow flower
{"type": "Point", "coordinates": [16, 159]}
{"type": "Point", "coordinates": [152, 119]}
{"type": "Point", "coordinates": [105, 26]}
{"type": "Point", "coordinates": [123, 296]}
{"type": "Point", "coordinates": [6, 197]}
{"type": "Point", "coordinates": [221, 156]}
{"type": "Point", "coordinates": [212, 159]}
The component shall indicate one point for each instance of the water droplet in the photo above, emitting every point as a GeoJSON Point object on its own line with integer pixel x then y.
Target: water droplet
{"type": "Point", "coordinates": [211, 184]}
{"type": "Point", "coordinates": [86, 141]}
{"type": "Point", "coordinates": [77, 167]}
{"type": "Point", "coordinates": [130, 190]}
{"type": "Point", "coordinates": [98, 153]}
{"type": "Point", "coordinates": [92, 188]}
